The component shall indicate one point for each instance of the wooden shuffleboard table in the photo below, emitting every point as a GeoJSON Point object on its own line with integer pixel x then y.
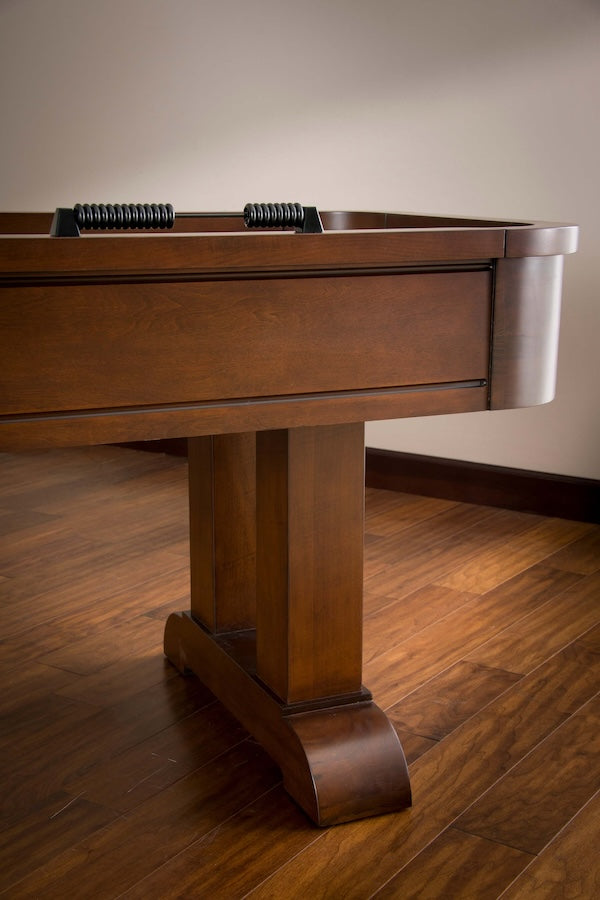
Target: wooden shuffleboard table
{"type": "Point", "coordinates": [269, 349]}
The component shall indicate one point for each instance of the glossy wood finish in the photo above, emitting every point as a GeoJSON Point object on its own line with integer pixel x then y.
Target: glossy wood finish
{"type": "Point", "coordinates": [127, 346]}
{"type": "Point", "coordinates": [222, 492]}
{"type": "Point", "coordinates": [350, 325]}
{"type": "Point", "coordinates": [295, 682]}
{"type": "Point", "coordinates": [526, 327]}
{"type": "Point", "coordinates": [310, 570]}
{"type": "Point", "coordinates": [341, 762]}
{"type": "Point", "coordinates": [216, 334]}
{"type": "Point", "coordinates": [121, 779]}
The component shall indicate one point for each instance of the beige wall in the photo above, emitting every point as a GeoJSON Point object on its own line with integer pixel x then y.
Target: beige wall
{"type": "Point", "coordinates": [465, 107]}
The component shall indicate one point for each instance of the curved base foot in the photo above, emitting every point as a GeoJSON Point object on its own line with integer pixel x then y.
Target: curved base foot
{"type": "Point", "coordinates": [356, 764]}
{"type": "Point", "coordinates": [339, 762]}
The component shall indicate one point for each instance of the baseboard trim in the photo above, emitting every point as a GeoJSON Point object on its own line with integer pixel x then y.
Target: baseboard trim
{"type": "Point", "coordinates": [561, 496]}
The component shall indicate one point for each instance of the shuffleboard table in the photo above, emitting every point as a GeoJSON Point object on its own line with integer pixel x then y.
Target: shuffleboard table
{"type": "Point", "coordinates": [269, 349]}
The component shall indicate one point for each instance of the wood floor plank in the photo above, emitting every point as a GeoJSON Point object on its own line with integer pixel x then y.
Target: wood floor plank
{"type": "Point", "coordinates": [235, 858]}
{"type": "Point", "coordinates": [398, 619]}
{"type": "Point", "coordinates": [36, 839]}
{"type": "Point", "coordinates": [568, 866]}
{"type": "Point", "coordinates": [98, 651]}
{"type": "Point", "coordinates": [498, 564]}
{"type": "Point", "coordinates": [129, 778]}
{"type": "Point", "coordinates": [168, 590]}
{"type": "Point", "coordinates": [457, 865]}
{"type": "Point", "coordinates": [36, 598]}
{"type": "Point", "coordinates": [591, 638]}
{"type": "Point", "coordinates": [405, 667]}
{"type": "Point", "coordinates": [526, 643]}
{"type": "Point", "coordinates": [116, 857]}
{"type": "Point", "coordinates": [387, 512]}
{"type": "Point", "coordinates": [431, 563]}
{"type": "Point", "coordinates": [445, 524]}
{"type": "Point", "coordinates": [446, 781]}
{"type": "Point", "coordinates": [449, 699]}
{"type": "Point", "coordinates": [413, 744]}
{"type": "Point", "coordinates": [30, 684]}
{"type": "Point", "coordinates": [46, 752]}
{"type": "Point", "coordinates": [581, 556]}
{"type": "Point", "coordinates": [537, 798]}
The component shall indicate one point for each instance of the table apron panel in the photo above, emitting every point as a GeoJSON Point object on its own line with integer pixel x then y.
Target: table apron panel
{"type": "Point", "coordinates": [111, 346]}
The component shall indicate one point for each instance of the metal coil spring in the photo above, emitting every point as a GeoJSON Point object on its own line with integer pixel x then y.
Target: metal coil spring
{"type": "Point", "coordinates": [124, 215]}
{"type": "Point", "coordinates": [274, 215]}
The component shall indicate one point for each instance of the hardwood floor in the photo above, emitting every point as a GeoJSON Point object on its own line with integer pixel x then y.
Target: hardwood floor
{"type": "Point", "coordinates": [122, 779]}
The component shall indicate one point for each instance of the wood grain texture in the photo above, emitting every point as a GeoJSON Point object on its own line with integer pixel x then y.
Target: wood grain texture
{"type": "Point", "coordinates": [309, 569]}
{"type": "Point", "coordinates": [135, 345]}
{"type": "Point", "coordinates": [567, 867]}
{"type": "Point", "coordinates": [451, 866]}
{"type": "Point", "coordinates": [222, 492]}
{"type": "Point", "coordinates": [526, 327]}
{"type": "Point", "coordinates": [540, 795]}
{"type": "Point", "coordinates": [148, 336]}
{"type": "Point", "coordinates": [140, 784]}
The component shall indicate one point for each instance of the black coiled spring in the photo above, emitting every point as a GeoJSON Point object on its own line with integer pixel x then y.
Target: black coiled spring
{"type": "Point", "coordinates": [124, 215]}
{"type": "Point", "coordinates": [274, 215]}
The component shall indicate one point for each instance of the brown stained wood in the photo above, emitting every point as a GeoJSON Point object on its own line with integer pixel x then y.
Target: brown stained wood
{"type": "Point", "coordinates": [457, 865]}
{"type": "Point", "coordinates": [42, 757]}
{"type": "Point", "coordinates": [404, 667]}
{"type": "Point", "coordinates": [37, 600]}
{"type": "Point", "coordinates": [540, 795]}
{"type": "Point", "coordinates": [147, 768]}
{"type": "Point", "coordinates": [309, 568]}
{"type": "Point", "coordinates": [414, 745]}
{"type": "Point", "coordinates": [122, 679]}
{"type": "Point", "coordinates": [398, 237]}
{"type": "Point", "coordinates": [30, 683]}
{"type": "Point", "coordinates": [232, 860]}
{"type": "Point", "coordinates": [527, 302]}
{"type": "Point", "coordinates": [389, 512]}
{"type": "Point", "coordinates": [53, 747]}
{"type": "Point", "coordinates": [150, 336]}
{"type": "Point", "coordinates": [112, 860]}
{"type": "Point", "coordinates": [395, 621]}
{"type": "Point", "coordinates": [447, 524]}
{"type": "Point", "coordinates": [591, 638]}
{"type": "Point", "coordinates": [525, 644]}
{"type": "Point", "coordinates": [442, 704]}
{"type": "Point", "coordinates": [563, 496]}
{"type": "Point", "coordinates": [213, 417]}
{"type": "Point", "coordinates": [155, 344]}
{"type": "Point", "coordinates": [340, 761]}
{"type": "Point", "coordinates": [433, 561]}
{"type": "Point", "coordinates": [581, 556]}
{"type": "Point", "coordinates": [37, 839]}
{"type": "Point", "coordinates": [529, 547]}
{"type": "Point", "coordinates": [222, 490]}
{"type": "Point", "coordinates": [92, 654]}
{"type": "Point", "coordinates": [249, 252]}
{"type": "Point", "coordinates": [566, 867]}
{"type": "Point", "coordinates": [78, 619]}
{"type": "Point", "coordinates": [445, 780]}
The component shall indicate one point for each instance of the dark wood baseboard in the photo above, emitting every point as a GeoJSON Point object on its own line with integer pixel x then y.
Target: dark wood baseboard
{"type": "Point", "coordinates": [562, 496]}
{"type": "Point", "coordinates": [170, 446]}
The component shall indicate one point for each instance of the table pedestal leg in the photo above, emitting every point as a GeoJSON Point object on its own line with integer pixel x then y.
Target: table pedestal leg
{"type": "Point", "coordinates": [295, 681]}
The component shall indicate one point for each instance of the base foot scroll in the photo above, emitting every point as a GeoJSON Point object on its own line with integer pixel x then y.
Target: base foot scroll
{"type": "Point", "coordinates": [339, 762]}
